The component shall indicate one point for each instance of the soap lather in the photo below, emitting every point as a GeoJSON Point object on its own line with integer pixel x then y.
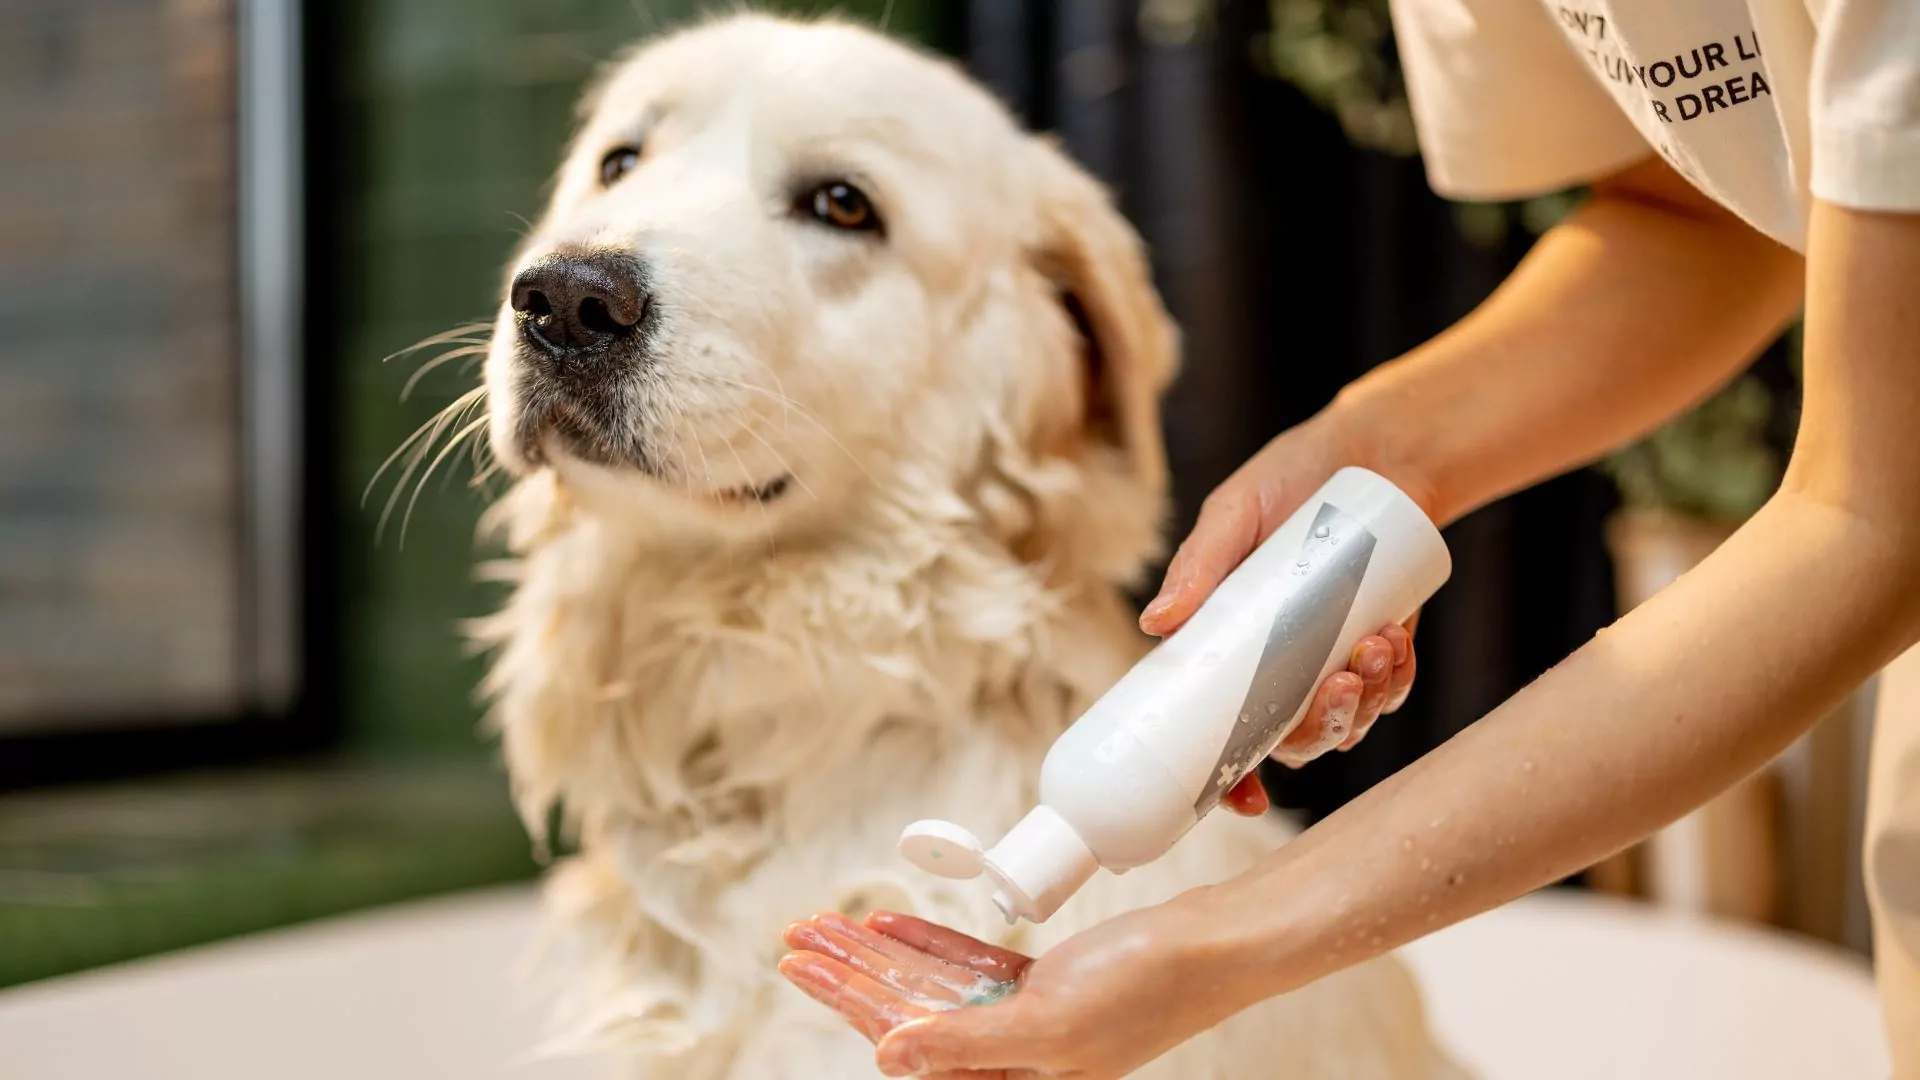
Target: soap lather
{"type": "Point", "coordinates": [1157, 752]}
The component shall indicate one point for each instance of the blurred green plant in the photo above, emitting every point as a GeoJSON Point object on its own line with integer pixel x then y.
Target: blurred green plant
{"type": "Point", "coordinates": [1337, 52]}
{"type": "Point", "coordinates": [1711, 463]}
{"type": "Point", "coordinates": [1714, 462]}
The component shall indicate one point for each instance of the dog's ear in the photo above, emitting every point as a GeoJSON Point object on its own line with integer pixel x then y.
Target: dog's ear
{"type": "Point", "coordinates": [1095, 258]}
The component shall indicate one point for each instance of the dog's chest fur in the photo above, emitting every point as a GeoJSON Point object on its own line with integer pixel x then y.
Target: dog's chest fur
{"type": "Point", "coordinates": [738, 740]}
{"type": "Point", "coordinates": [740, 736]}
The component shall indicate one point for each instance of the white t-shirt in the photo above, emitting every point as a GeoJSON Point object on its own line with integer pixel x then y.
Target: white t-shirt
{"type": "Point", "coordinates": [1761, 104]}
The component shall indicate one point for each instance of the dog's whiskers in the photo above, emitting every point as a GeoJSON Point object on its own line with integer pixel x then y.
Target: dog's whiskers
{"type": "Point", "coordinates": [469, 340]}
{"type": "Point", "coordinates": [787, 404]}
{"type": "Point", "coordinates": [679, 451]}
{"type": "Point", "coordinates": [480, 478]}
{"type": "Point", "coordinates": [706, 466]}
{"type": "Point", "coordinates": [785, 466]}
{"type": "Point", "coordinates": [418, 433]}
{"type": "Point", "coordinates": [745, 472]}
{"type": "Point", "coordinates": [415, 449]}
{"type": "Point", "coordinates": [804, 413]}
{"type": "Point", "coordinates": [452, 444]}
{"type": "Point", "coordinates": [477, 348]}
{"type": "Point", "coordinates": [483, 449]}
{"type": "Point", "coordinates": [456, 335]}
{"type": "Point", "coordinates": [476, 446]}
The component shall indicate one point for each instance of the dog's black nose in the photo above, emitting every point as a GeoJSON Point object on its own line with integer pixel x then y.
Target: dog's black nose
{"type": "Point", "coordinates": [575, 302]}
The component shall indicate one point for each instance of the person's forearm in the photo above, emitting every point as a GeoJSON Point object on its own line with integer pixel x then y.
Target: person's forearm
{"type": "Point", "coordinates": [1689, 692]}
{"type": "Point", "coordinates": [1638, 305]}
{"type": "Point", "coordinates": [1692, 690]}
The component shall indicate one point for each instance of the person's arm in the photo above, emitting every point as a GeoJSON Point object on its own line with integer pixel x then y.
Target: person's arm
{"type": "Point", "coordinates": [1686, 694]}
{"type": "Point", "coordinates": [1689, 692]}
{"type": "Point", "coordinates": [1642, 302]}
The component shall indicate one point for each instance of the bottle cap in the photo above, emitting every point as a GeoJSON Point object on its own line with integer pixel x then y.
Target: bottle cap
{"type": "Point", "coordinates": [1039, 864]}
{"type": "Point", "coordinates": [1036, 866]}
{"type": "Point", "coordinates": [943, 848]}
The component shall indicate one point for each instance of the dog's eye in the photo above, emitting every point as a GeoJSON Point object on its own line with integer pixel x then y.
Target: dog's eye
{"type": "Point", "coordinates": [619, 161]}
{"type": "Point", "coordinates": [841, 205]}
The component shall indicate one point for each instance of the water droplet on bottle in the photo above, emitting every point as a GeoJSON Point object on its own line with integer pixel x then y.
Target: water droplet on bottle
{"type": "Point", "coordinates": [1456, 878]}
{"type": "Point", "coordinates": [1304, 562]}
{"type": "Point", "coordinates": [1526, 766]}
{"type": "Point", "coordinates": [1426, 864]}
{"type": "Point", "coordinates": [1273, 709]}
{"type": "Point", "coordinates": [1323, 532]}
{"type": "Point", "coordinates": [1406, 843]}
{"type": "Point", "coordinates": [1246, 718]}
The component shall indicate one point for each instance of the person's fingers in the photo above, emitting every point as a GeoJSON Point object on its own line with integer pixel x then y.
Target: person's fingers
{"type": "Point", "coordinates": [1228, 528]}
{"type": "Point", "coordinates": [1001, 965]}
{"type": "Point", "coordinates": [947, 972]}
{"type": "Point", "coordinates": [1248, 797]}
{"type": "Point", "coordinates": [1400, 640]}
{"type": "Point", "coordinates": [1328, 721]}
{"type": "Point", "coordinates": [1364, 722]}
{"type": "Point", "coordinates": [1372, 660]}
{"type": "Point", "coordinates": [1401, 683]}
{"type": "Point", "coordinates": [883, 959]}
{"type": "Point", "coordinates": [872, 1008]}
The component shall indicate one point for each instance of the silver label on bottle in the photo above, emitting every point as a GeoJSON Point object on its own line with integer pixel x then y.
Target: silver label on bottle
{"type": "Point", "coordinates": [1306, 628]}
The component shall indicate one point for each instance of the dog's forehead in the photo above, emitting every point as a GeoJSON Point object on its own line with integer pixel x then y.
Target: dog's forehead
{"type": "Point", "coordinates": [807, 81]}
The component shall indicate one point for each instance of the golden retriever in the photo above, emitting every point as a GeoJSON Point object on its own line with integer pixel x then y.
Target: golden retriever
{"type": "Point", "coordinates": [832, 402]}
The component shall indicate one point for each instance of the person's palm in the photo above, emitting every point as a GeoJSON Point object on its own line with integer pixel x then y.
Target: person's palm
{"type": "Point", "coordinates": [936, 1002]}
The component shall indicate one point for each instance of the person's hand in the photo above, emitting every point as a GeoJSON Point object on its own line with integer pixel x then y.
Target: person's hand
{"type": "Point", "coordinates": [1378, 678]}
{"type": "Point", "coordinates": [1096, 1007]}
{"type": "Point", "coordinates": [1242, 512]}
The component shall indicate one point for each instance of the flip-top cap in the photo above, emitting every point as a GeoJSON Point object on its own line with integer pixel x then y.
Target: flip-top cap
{"type": "Point", "coordinates": [1036, 866]}
{"type": "Point", "coordinates": [943, 848]}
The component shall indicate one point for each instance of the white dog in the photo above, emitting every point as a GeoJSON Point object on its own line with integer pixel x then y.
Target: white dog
{"type": "Point", "coordinates": [832, 399]}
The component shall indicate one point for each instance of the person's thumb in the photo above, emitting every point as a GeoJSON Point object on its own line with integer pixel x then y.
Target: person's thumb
{"type": "Point", "coordinates": [960, 1040]}
{"type": "Point", "coordinates": [1229, 528]}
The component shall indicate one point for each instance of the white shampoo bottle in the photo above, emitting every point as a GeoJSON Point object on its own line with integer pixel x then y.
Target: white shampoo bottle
{"type": "Point", "coordinates": [1210, 702]}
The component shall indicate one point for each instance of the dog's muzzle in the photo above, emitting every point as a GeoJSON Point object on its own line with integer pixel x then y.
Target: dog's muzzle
{"type": "Point", "coordinates": [584, 320]}
{"type": "Point", "coordinates": [583, 317]}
